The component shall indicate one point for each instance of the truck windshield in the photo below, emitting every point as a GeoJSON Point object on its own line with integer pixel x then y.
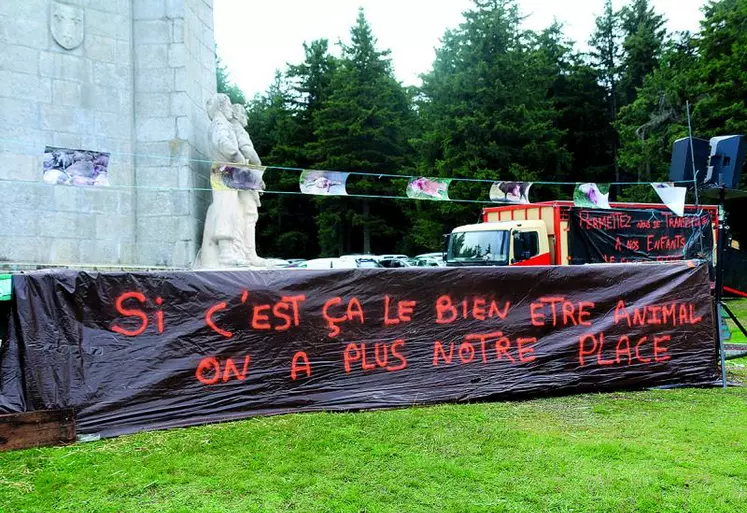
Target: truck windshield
{"type": "Point", "coordinates": [489, 247]}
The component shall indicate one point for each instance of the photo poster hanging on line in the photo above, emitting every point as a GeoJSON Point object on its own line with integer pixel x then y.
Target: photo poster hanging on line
{"type": "Point", "coordinates": [237, 177]}
{"type": "Point", "coordinates": [591, 195]}
{"type": "Point", "coordinates": [673, 197]}
{"type": "Point", "coordinates": [63, 166]}
{"type": "Point", "coordinates": [435, 189]}
{"type": "Point", "coordinates": [323, 183]}
{"type": "Point", "coordinates": [510, 192]}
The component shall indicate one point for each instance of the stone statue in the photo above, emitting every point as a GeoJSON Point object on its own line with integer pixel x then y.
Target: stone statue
{"type": "Point", "coordinates": [66, 24]}
{"type": "Point", "coordinates": [229, 235]}
{"type": "Point", "coordinates": [248, 199]}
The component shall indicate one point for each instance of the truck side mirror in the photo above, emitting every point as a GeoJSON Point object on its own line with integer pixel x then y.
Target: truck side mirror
{"type": "Point", "coordinates": [518, 255]}
{"type": "Point", "coordinates": [445, 242]}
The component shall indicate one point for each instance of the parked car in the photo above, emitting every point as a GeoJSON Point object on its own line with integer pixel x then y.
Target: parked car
{"type": "Point", "coordinates": [429, 262]}
{"type": "Point", "coordinates": [428, 259]}
{"type": "Point", "coordinates": [278, 263]}
{"type": "Point", "coordinates": [367, 262]}
{"type": "Point", "coordinates": [346, 262]}
{"type": "Point", "coordinates": [362, 260]}
{"type": "Point", "coordinates": [393, 256]}
{"type": "Point", "coordinates": [293, 261]}
{"type": "Point", "coordinates": [437, 256]}
{"type": "Point", "coordinates": [394, 263]}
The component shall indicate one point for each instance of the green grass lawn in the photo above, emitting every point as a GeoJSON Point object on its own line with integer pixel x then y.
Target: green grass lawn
{"type": "Point", "coordinates": [673, 450]}
{"type": "Point", "coordinates": [738, 308]}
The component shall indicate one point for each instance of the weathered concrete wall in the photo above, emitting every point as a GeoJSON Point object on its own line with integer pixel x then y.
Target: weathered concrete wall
{"type": "Point", "coordinates": [174, 74]}
{"type": "Point", "coordinates": [136, 86]}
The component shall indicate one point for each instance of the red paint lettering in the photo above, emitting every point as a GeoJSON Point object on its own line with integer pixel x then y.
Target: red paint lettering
{"type": "Point", "coordinates": [621, 312]}
{"type": "Point", "coordinates": [639, 316]}
{"type": "Point", "coordinates": [583, 313]}
{"type": "Point", "coordinates": [494, 311]}
{"type": "Point", "coordinates": [231, 368]}
{"type": "Point", "coordinates": [398, 344]}
{"type": "Point", "coordinates": [405, 310]}
{"type": "Point", "coordinates": [209, 320]}
{"type": "Point", "coordinates": [438, 348]}
{"type": "Point", "coordinates": [332, 322]}
{"type": "Point", "coordinates": [502, 345]}
{"type": "Point", "coordinates": [654, 315]}
{"type": "Point", "coordinates": [466, 352]}
{"type": "Point", "coordinates": [642, 341]}
{"type": "Point", "coordinates": [387, 320]}
{"type": "Point", "coordinates": [581, 347]}
{"type": "Point", "coordinates": [619, 349]}
{"type": "Point", "coordinates": [445, 306]}
{"type": "Point", "coordinates": [355, 310]}
{"type": "Point", "coordinates": [478, 309]}
{"type": "Point", "coordinates": [568, 312]}
{"type": "Point", "coordinates": [600, 360]}
{"type": "Point", "coordinates": [304, 367]}
{"type": "Point", "coordinates": [365, 366]}
{"type": "Point", "coordinates": [294, 301]}
{"type": "Point", "coordinates": [683, 314]}
{"type": "Point", "coordinates": [538, 319]}
{"type": "Point", "coordinates": [352, 354]}
{"type": "Point", "coordinates": [693, 318]}
{"type": "Point", "coordinates": [260, 321]}
{"type": "Point", "coordinates": [381, 362]}
{"type": "Point", "coordinates": [159, 315]}
{"type": "Point", "coordinates": [661, 350]}
{"type": "Point", "coordinates": [280, 311]}
{"type": "Point", "coordinates": [553, 301]}
{"type": "Point", "coordinates": [526, 353]}
{"type": "Point", "coordinates": [205, 367]}
{"type": "Point", "coordinates": [131, 313]}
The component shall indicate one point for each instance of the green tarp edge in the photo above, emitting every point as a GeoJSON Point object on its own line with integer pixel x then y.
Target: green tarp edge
{"type": "Point", "coordinates": [5, 287]}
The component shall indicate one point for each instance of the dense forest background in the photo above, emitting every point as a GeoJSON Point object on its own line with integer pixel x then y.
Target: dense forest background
{"type": "Point", "coordinates": [499, 103]}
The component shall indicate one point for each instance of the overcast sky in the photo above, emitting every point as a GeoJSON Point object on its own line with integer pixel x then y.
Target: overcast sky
{"type": "Point", "coordinates": [255, 38]}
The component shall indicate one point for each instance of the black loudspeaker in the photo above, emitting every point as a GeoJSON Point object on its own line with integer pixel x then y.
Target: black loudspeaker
{"type": "Point", "coordinates": [681, 168]}
{"type": "Point", "coordinates": [727, 158]}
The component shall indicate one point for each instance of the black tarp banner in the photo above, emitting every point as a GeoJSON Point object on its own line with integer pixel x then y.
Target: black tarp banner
{"type": "Point", "coordinates": [619, 236]}
{"type": "Point", "coordinates": [135, 351]}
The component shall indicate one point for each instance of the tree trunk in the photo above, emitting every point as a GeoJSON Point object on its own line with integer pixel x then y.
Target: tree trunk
{"type": "Point", "coordinates": [614, 136]}
{"type": "Point", "coordinates": [342, 227]}
{"type": "Point", "coordinates": [366, 227]}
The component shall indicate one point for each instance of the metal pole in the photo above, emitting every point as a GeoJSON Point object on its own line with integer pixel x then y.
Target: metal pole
{"type": "Point", "coordinates": [692, 154]}
{"type": "Point", "coordinates": [720, 278]}
{"type": "Point", "coordinates": [695, 171]}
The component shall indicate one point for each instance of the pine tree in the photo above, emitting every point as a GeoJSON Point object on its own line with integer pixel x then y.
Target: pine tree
{"type": "Point", "coordinates": [487, 112]}
{"type": "Point", "coordinates": [282, 122]}
{"type": "Point", "coordinates": [643, 42]}
{"type": "Point", "coordinates": [361, 127]}
{"type": "Point", "coordinates": [581, 103]}
{"type": "Point", "coordinates": [722, 46]}
{"type": "Point", "coordinates": [605, 57]}
{"type": "Point", "coordinates": [657, 117]}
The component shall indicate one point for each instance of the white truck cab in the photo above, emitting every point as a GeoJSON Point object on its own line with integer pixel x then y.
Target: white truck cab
{"type": "Point", "coordinates": [499, 243]}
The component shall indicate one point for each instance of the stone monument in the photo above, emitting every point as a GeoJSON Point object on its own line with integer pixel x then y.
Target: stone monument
{"type": "Point", "coordinates": [129, 78]}
{"type": "Point", "coordinates": [229, 234]}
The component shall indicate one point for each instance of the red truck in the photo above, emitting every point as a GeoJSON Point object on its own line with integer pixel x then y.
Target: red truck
{"type": "Point", "coordinates": [538, 234]}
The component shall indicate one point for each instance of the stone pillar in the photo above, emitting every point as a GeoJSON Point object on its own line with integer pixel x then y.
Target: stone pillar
{"type": "Point", "coordinates": [174, 75]}
{"type": "Point", "coordinates": [136, 83]}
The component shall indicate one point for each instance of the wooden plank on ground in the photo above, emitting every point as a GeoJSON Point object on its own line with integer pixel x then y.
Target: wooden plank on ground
{"type": "Point", "coordinates": [36, 429]}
